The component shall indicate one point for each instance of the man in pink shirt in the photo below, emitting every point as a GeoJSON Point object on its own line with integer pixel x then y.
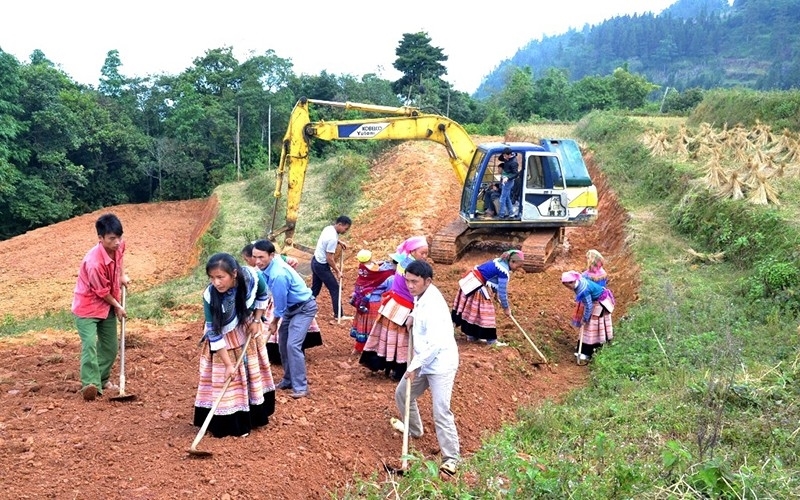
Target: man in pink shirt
{"type": "Point", "coordinates": [96, 306]}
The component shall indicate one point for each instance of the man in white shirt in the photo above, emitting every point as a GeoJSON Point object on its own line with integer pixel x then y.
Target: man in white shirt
{"type": "Point", "coordinates": [323, 265]}
{"type": "Point", "coordinates": [434, 364]}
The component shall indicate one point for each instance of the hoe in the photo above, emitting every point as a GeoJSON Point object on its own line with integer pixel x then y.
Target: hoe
{"type": "Point", "coordinates": [193, 451]}
{"type": "Point", "coordinates": [544, 359]}
{"type": "Point", "coordinates": [122, 397]}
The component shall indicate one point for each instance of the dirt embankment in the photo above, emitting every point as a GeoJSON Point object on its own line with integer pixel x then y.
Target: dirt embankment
{"type": "Point", "coordinates": [38, 269]}
{"type": "Point", "coordinates": [52, 444]}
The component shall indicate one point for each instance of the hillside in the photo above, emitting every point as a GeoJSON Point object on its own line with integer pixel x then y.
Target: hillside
{"type": "Point", "coordinates": [156, 235]}
{"type": "Point", "coordinates": [693, 43]}
{"type": "Point", "coordinates": [54, 444]}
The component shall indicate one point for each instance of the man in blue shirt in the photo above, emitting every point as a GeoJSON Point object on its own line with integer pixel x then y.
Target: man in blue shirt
{"type": "Point", "coordinates": [295, 306]}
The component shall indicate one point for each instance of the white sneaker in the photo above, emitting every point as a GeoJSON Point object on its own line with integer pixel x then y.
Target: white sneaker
{"type": "Point", "coordinates": [397, 425]}
{"type": "Point", "coordinates": [498, 343]}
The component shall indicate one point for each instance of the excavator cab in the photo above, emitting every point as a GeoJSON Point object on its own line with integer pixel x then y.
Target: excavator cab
{"type": "Point", "coordinates": [539, 195]}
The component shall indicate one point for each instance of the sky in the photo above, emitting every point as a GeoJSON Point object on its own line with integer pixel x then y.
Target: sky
{"type": "Point", "coordinates": [356, 38]}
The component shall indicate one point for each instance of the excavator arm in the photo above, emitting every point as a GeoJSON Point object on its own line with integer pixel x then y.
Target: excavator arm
{"type": "Point", "coordinates": [405, 123]}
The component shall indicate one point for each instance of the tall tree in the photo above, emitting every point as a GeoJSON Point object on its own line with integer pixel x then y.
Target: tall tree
{"type": "Point", "coordinates": [417, 59]}
{"type": "Point", "coordinates": [592, 93]}
{"type": "Point", "coordinates": [111, 81]}
{"type": "Point", "coordinates": [517, 97]}
{"type": "Point", "coordinates": [11, 127]}
{"type": "Point", "coordinates": [553, 95]}
{"type": "Point", "coordinates": [630, 90]}
{"type": "Point", "coordinates": [264, 81]}
{"type": "Point", "coordinates": [53, 132]}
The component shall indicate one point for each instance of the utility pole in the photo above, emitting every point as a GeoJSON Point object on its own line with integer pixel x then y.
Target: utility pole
{"type": "Point", "coordinates": [269, 137]}
{"type": "Point", "coordinates": [663, 99]}
{"type": "Point", "coordinates": [238, 138]}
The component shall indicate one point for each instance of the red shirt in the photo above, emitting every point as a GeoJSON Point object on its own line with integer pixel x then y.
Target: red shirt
{"type": "Point", "coordinates": [98, 276]}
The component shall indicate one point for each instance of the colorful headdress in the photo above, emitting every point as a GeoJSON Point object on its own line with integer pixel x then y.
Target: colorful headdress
{"type": "Point", "coordinates": [412, 244]}
{"type": "Point", "coordinates": [570, 276]}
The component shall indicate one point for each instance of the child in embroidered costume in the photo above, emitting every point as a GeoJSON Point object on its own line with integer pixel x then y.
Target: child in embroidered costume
{"type": "Point", "coordinates": [595, 320]}
{"type": "Point", "coordinates": [594, 268]}
{"type": "Point", "coordinates": [371, 275]}
{"type": "Point", "coordinates": [233, 304]}
{"type": "Point", "coordinates": [474, 309]}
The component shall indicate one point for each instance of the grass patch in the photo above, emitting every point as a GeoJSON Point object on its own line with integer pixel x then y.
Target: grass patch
{"type": "Point", "coordinates": [59, 320]}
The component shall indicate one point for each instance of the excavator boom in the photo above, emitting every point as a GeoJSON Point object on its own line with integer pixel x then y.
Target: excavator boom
{"type": "Point", "coordinates": [409, 124]}
{"type": "Point", "coordinates": [548, 196]}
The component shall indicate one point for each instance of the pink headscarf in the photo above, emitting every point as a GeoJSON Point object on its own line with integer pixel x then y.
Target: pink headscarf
{"type": "Point", "coordinates": [412, 244]}
{"type": "Point", "coordinates": [570, 276]}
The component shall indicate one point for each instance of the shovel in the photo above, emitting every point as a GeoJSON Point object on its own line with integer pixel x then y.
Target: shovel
{"type": "Point", "coordinates": [530, 341]}
{"type": "Point", "coordinates": [193, 451]}
{"type": "Point", "coordinates": [122, 396]}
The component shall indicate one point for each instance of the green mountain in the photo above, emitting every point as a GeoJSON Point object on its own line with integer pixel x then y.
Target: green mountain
{"type": "Point", "coordinates": [693, 43]}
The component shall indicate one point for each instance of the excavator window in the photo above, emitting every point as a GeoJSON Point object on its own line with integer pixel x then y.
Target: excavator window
{"type": "Point", "coordinates": [535, 179]}
{"type": "Point", "coordinates": [554, 171]}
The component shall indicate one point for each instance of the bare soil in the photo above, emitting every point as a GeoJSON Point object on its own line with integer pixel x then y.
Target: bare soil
{"type": "Point", "coordinates": [54, 445]}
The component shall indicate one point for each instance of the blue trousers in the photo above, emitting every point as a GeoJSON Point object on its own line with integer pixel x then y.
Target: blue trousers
{"type": "Point", "coordinates": [505, 198]}
{"type": "Point", "coordinates": [291, 334]}
{"type": "Point", "coordinates": [321, 273]}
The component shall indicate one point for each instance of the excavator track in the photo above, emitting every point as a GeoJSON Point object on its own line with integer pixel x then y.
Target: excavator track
{"type": "Point", "coordinates": [538, 245]}
{"type": "Point", "coordinates": [538, 248]}
{"type": "Point", "coordinates": [449, 242]}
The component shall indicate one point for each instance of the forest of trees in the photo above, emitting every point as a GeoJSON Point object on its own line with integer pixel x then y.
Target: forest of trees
{"type": "Point", "coordinates": [67, 149]}
{"type": "Point", "coordinates": [693, 43]}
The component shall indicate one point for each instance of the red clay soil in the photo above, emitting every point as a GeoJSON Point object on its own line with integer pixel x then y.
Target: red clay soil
{"type": "Point", "coordinates": [54, 445]}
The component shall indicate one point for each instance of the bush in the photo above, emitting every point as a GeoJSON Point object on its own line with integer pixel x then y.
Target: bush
{"type": "Point", "coordinates": [781, 109]}
{"type": "Point", "coordinates": [747, 233]}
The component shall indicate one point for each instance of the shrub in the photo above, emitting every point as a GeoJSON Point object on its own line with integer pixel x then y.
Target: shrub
{"type": "Point", "coordinates": [746, 233]}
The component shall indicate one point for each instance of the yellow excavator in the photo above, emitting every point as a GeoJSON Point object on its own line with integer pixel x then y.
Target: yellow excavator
{"type": "Point", "coordinates": [553, 189]}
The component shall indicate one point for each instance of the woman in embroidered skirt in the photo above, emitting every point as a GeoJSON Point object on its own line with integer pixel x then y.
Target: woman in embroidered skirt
{"type": "Point", "coordinates": [387, 345]}
{"type": "Point", "coordinates": [593, 316]}
{"type": "Point", "coordinates": [373, 280]}
{"type": "Point", "coordinates": [233, 305]}
{"type": "Point", "coordinates": [473, 308]}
